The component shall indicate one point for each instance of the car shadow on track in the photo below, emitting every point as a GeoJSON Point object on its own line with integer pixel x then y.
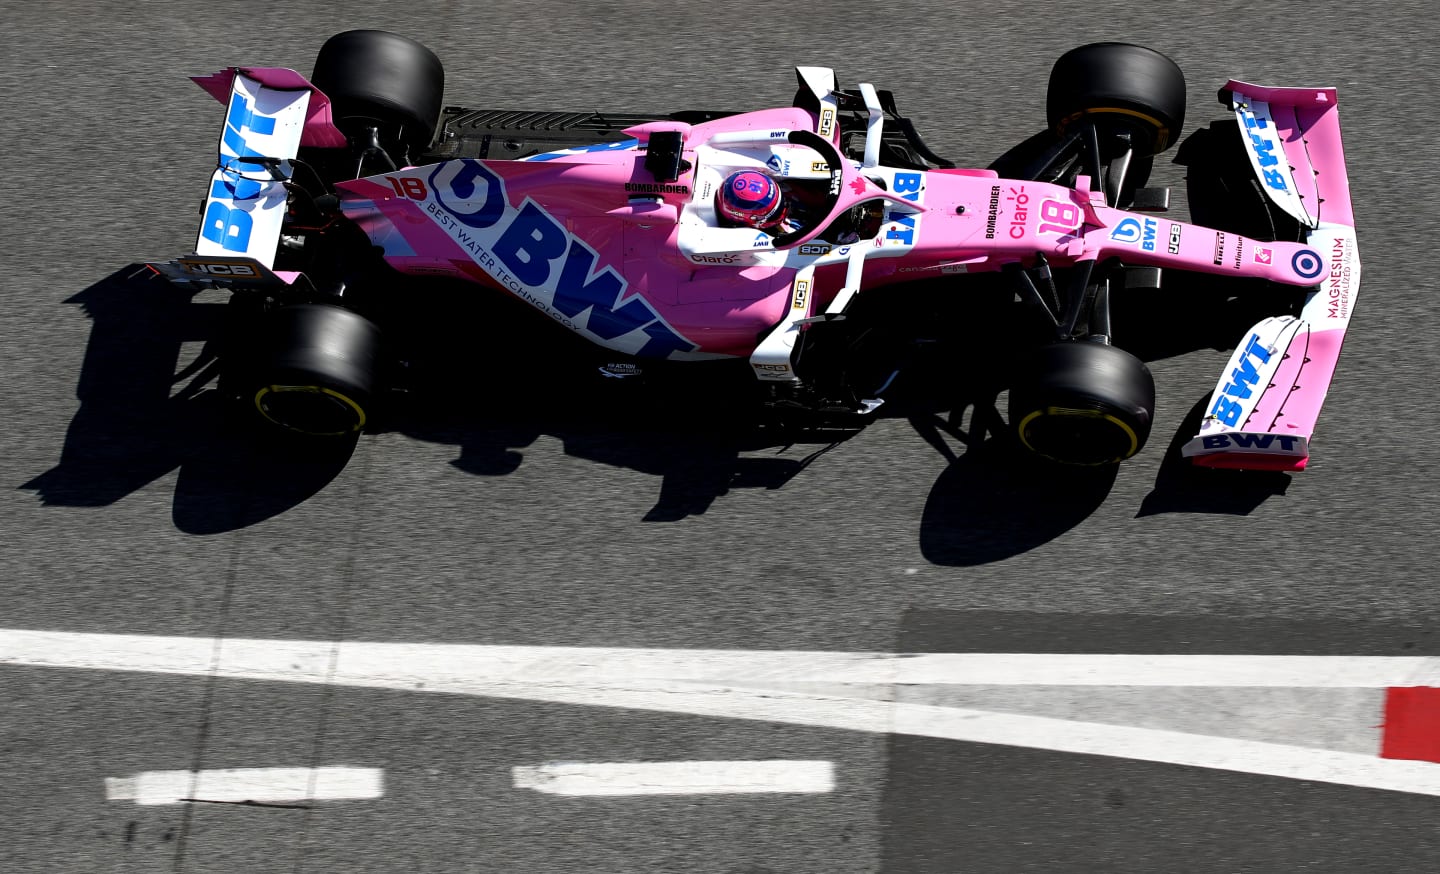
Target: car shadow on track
{"type": "Point", "coordinates": [697, 463]}
{"type": "Point", "coordinates": [145, 412]}
{"type": "Point", "coordinates": [1181, 487]}
{"type": "Point", "coordinates": [492, 393]}
{"type": "Point", "coordinates": [995, 501]}
{"type": "Point", "coordinates": [149, 408]}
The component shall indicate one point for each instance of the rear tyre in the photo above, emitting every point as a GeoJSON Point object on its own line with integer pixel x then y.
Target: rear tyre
{"type": "Point", "coordinates": [1085, 403]}
{"type": "Point", "coordinates": [1121, 86]}
{"type": "Point", "coordinates": [314, 371]}
{"type": "Point", "coordinates": [373, 77]}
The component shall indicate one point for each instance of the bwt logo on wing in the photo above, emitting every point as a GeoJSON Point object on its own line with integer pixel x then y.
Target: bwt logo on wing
{"type": "Point", "coordinates": [1131, 231]}
{"type": "Point", "coordinates": [1265, 148]}
{"type": "Point", "coordinates": [1242, 440]}
{"type": "Point", "coordinates": [1243, 380]}
{"type": "Point", "coordinates": [225, 225]}
{"type": "Point", "coordinates": [529, 248]}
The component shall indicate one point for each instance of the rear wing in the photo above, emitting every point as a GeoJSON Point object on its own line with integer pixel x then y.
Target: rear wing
{"type": "Point", "coordinates": [1265, 404]}
{"type": "Point", "coordinates": [270, 112]}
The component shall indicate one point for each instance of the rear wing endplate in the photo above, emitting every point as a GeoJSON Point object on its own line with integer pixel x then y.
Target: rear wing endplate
{"type": "Point", "coordinates": [246, 203]}
{"type": "Point", "coordinates": [270, 112]}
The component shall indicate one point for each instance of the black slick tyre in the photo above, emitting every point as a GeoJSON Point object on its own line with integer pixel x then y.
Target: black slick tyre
{"type": "Point", "coordinates": [373, 76]}
{"type": "Point", "coordinates": [1084, 403]}
{"type": "Point", "coordinates": [314, 370]}
{"type": "Point", "coordinates": [1119, 84]}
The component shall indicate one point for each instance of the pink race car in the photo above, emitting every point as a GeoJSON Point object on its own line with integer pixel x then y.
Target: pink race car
{"type": "Point", "coordinates": [327, 188]}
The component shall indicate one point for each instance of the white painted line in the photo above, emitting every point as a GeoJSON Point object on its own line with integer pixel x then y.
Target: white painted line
{"type": "Point", "coordinates": [675, 778]}
{"type": "Point", "coordinates": [1170, 747]}
{"type": "Point", "coordinates": [236, 785]}
{"type": "Point", "coordinates": [760, 686]}
{"type": "Point", "coordinates": [299, 660]}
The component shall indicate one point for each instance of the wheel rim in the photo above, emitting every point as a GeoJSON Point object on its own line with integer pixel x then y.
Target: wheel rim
{"type": "Point", "coordinates": [1160, 132]}
{"type": "Point", "coordinates": [310, 409]}
{"type": "Point", "coordinates": [1078, 436]}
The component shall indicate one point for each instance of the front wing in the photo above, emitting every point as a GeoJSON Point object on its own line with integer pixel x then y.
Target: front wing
{"type": "Point", "coordinates": [1264, 407]}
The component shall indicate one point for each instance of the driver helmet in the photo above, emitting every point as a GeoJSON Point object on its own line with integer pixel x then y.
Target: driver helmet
{"type": "Point", "coordinates": [752, 199]}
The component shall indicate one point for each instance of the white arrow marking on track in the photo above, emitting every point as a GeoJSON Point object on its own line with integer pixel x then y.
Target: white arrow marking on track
{"type": "Point", "coordinates": [711, 683]}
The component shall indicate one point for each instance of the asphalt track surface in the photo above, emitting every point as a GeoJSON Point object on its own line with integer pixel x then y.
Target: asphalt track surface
{"type": "Point", "coordinates": [132, 510]}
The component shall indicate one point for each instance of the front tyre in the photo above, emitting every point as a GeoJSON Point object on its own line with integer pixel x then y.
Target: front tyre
{"type": "Point", "coordinates": [1121, 86]}
{"type": "Point", "coordinates": [314, 370]}
{"type": "Point", "coordinates": [1084, 403]}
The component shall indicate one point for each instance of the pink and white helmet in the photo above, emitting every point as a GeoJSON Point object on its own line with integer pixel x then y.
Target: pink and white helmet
{"type": "Point", "coordinates": [752, 199]}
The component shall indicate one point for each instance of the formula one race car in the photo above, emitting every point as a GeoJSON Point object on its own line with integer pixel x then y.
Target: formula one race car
{"type": "Point", "coordinates": [328, 188]}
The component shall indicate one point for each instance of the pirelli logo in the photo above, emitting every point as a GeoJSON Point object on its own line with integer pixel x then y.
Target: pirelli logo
{"type": "Point", "coordinates": [802, 294]}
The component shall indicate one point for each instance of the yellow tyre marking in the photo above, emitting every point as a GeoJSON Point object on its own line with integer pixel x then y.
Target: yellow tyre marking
{"type": "Point", "coordinates": [311, 389]}
{"type": "Point", "coordinates": [1085, 414]}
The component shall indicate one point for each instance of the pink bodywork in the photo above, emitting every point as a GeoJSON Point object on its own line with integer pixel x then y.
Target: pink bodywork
{"type": "Point", "coordinates": [723, 309]}
{"type": "Point", "coordinates": [631, 274]}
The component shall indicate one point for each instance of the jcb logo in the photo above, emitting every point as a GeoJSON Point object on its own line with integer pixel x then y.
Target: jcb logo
{"type": "Point", "coordinates": [211, 268]}
{"type": "Point", "coordinates": [814, 249]}
{"type": "Point", "coordinates": [827, 122]}
{"type": "Point", "coordinates": [802, 294]}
